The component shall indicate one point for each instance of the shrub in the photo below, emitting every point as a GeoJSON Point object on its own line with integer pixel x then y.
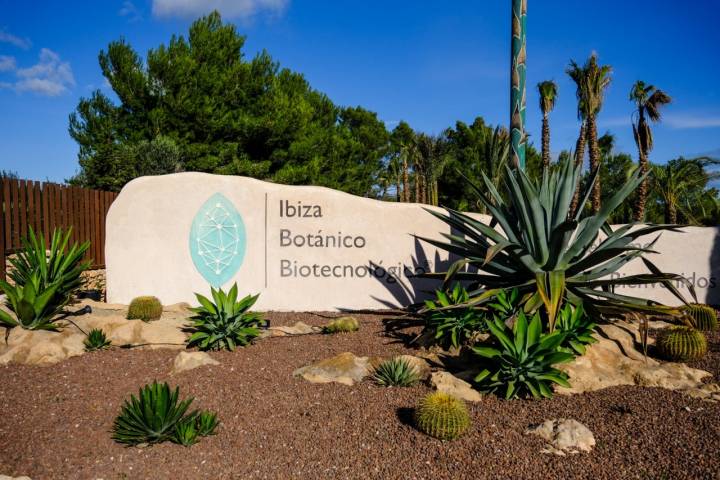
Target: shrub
{"type": "Point", "coordinates": [452, 323]}
{"type": "Point", "coordinates": [342, 325]}
{"type": "Point", "coordinates": [681, 344]}
{"type": "Point", "coordinates": [442, 416]}
{"type": "Point", "coordinates": [206, 422]}
{"type": "Point", "coordinates": [152, 416]}
{"type": "Point", "coordinates": [548, 252]}
{"type": "Point", "coordinates": [34, 308]}
{"type": "Point", "coordinates": [224, 322]}
{"type": "Point", "coordinates": [702, 317]}
{"type": "Point", "coordinates": [396, 372]}
{"type": "Point", "coordinates": [96, 340]}
{"type": "Point", "coordinates": [577, 327]}
{"type": "Point", "coordinates": [62, 264]}
{"type": "Point", "coordinates": [186, 432]}
{"type": "Point", "coordinates": [145, 308]}
{"type": "Point", "coordinates": [43, 280]}
{"type": "Point", "coordinates": [524, 363]}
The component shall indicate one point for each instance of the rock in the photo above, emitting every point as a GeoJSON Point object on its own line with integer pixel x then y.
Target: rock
{"type": "Point", "coordinates": [344, 368]}
{"type": "Point", "coordinates": [448, 383]}
{"type": "Point", "coordinates": [615, 360]}
{"type": "Point", "coordinates": [706, 391]}
{"type": "Point", "coordinates": [299, 328]}
{"type": "Point", "coordinates": [7, 477]}
{"type": "Point", "coordinates": [422, 368]}
{"type": "Point", "coordinates": [189, 360]}
{"type": "Point", "coordinates": [46, 347]}
{"type": "Point", "coordinates": [564, 436]}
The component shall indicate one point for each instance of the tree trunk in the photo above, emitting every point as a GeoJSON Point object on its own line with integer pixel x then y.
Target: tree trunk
{"type": "Point", "coordinates": [670, 213]}
{"type": "Point", "coordinates": [518, 56]}
{"type": "Point", "coordinates": [398, 189]}
{"type": "Point", "coordinates": [405, 197]}
{"type": "Point", "coordinates": [546, 141]}
{"type": "Point", "coordinates": [642, 190]}
{"type": "Point", "coordinates": [579, 157]}
{"type": "Point", "coordinates": [594, 153]}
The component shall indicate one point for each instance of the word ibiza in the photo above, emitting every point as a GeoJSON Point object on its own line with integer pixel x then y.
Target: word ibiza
{"type": "Point", "coordinates": [289, 210]}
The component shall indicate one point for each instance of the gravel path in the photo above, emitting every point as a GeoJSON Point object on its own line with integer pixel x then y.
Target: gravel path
{"type": "Point", "coordinates": [56, 421]}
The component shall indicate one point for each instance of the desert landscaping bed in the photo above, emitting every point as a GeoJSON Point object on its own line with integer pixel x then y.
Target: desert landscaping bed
{"type": "Point", "coordinates": [56, 420]}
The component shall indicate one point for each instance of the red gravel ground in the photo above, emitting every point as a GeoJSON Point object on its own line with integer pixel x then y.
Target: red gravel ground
{"type": "Point", "coordinates": [56, 420]}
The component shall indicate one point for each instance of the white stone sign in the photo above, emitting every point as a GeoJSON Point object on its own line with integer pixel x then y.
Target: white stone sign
{"type": "Point", "coordinates": [303, 248]}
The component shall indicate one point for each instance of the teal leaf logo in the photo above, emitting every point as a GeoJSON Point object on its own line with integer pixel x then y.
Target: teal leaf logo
{"type": "Point", "coordinates": [217, 240]}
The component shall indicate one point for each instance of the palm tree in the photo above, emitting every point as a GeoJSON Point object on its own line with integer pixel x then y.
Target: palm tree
{"type": "Point", "coordinates": [518, 57]}
{"type": "Point", "coordinates": [681, 184]}
{"type": "Point", "coordinates": [577, 74]}
{"type": "Point", "coordinates": [593, 81]}
{"type": "Point", "coordinates": [431, 151]}
{"type": "Point", "coordinates": [548, 95]}
{"type": "Point", "coordinates": [648, 100]}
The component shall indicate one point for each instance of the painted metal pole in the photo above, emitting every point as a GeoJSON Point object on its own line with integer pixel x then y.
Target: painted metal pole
{"type": "Point", "coordinates": [517, 83]}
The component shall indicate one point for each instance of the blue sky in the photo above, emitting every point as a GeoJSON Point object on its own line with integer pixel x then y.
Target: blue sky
{"type": "Point", "coordinates": [430, 63]}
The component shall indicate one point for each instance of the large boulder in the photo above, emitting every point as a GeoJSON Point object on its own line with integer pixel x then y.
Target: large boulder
{"type": "Point", "coordinates": [615, 360]}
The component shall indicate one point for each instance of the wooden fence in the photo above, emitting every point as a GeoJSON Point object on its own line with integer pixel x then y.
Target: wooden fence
{"type": "Point", "coordinates": [45, 206]}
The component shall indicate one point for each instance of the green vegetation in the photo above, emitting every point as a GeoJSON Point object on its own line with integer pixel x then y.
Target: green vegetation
{"type": "Point", "coordinates": [681, 344]}
{"type": "Point", "coordinates": [44, 280]}
{"type": "Point", "coordinates": [442, 416]}
{"type": "Point", "coordinates": [702, 317]}
{"type": "Point", "coordinates": [152, 416]}
{"type": "Point", "coordinates": [524, 362]}
{"type": "Point", "coordinates": [145, 308]}
{"type": "Point", "coordinates": [548, 95]}
{"type": "Point", "coordinates": [206, 423]}
{"type": "Point", "coordinates": [396, 372]}
{"type": "Point", "coordinates": [449, 318]}
{"type": "Point", "coordinates": [225, 322]}
{"type": "Point", "coordinates": [186, 433]}
{"type": "Point", "coordinates": [96, 340]}
{"type": "Point", "coordinates": [544, 252]}
{"type": "Point", "coordinates": [577, 328]}
{"type": "Point", "coordinates": [342, 325]}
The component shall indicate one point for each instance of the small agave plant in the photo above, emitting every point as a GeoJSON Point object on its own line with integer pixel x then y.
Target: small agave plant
{"type": "Point", "coordinates": [96, 340]}
{"type": "Point", "coordinates": [225, 322]}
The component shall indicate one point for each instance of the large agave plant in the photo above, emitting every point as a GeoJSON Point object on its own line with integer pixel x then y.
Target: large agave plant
{"type": "Point", "coordinates": [225, 322]}
{"type": "Point", "coordinates": [548, 254]}
{"type": "Point", "coordinates": [61, 264]}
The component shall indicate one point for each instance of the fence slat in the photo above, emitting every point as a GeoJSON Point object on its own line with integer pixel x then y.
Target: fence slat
{"type": "Point", "coordinates": [26, 204]}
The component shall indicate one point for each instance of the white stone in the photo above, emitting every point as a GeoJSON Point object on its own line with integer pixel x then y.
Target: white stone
{"type": "Point", "coordinates": [148, 230]}
{"type": "Point", "coordinates": [564, 436]}
{"type": "Point", "coordinates": [450, 384]}
{"type": "Point", "coordinates": [189, 360]}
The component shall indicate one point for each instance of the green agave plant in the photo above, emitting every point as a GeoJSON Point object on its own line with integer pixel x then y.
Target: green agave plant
{"type": "Point", "coordinates": [186, 432]}
{"type": "Point", "coordinates": [452, 325]}
{"type": "Point", "coordinates": [396, 372]}
{"type": "Point", "coordinates": [206, 422]}
{"type": "Point", "coordinates": [61, 264]}
{"type": "Point", "coordinates": [577, 327]}
{"type": "Point", "coordinates": [96, 340]}
{"type": "Point", "coordinates": [524, 362]}
{"type": "Point", "coordinates": [152, 416]}
{"type": "Point", "coordinates": [543, 251]}
{"type": "Point", "coordinates": [225, 322]}
{"type": "Point", "coordinates": [34, 306]}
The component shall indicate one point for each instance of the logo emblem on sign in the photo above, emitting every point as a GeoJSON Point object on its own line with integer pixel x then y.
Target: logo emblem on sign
{"type": "Point", "coordinates": [217, 240]}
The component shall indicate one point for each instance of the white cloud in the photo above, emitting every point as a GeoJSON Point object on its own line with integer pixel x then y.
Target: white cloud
{"type": "Point", "coordinates": [7, 63]}
{"type": "Point", "coordinates": [130, 11]}
{"type": "Point", "coordinates": [242, 9]}
{"type": "Point", "coordinates": [23, 43]}
{"type": "Point", "coordinates": [50, 76]}
{"type": "Point", "coordinates": [686, 121]}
